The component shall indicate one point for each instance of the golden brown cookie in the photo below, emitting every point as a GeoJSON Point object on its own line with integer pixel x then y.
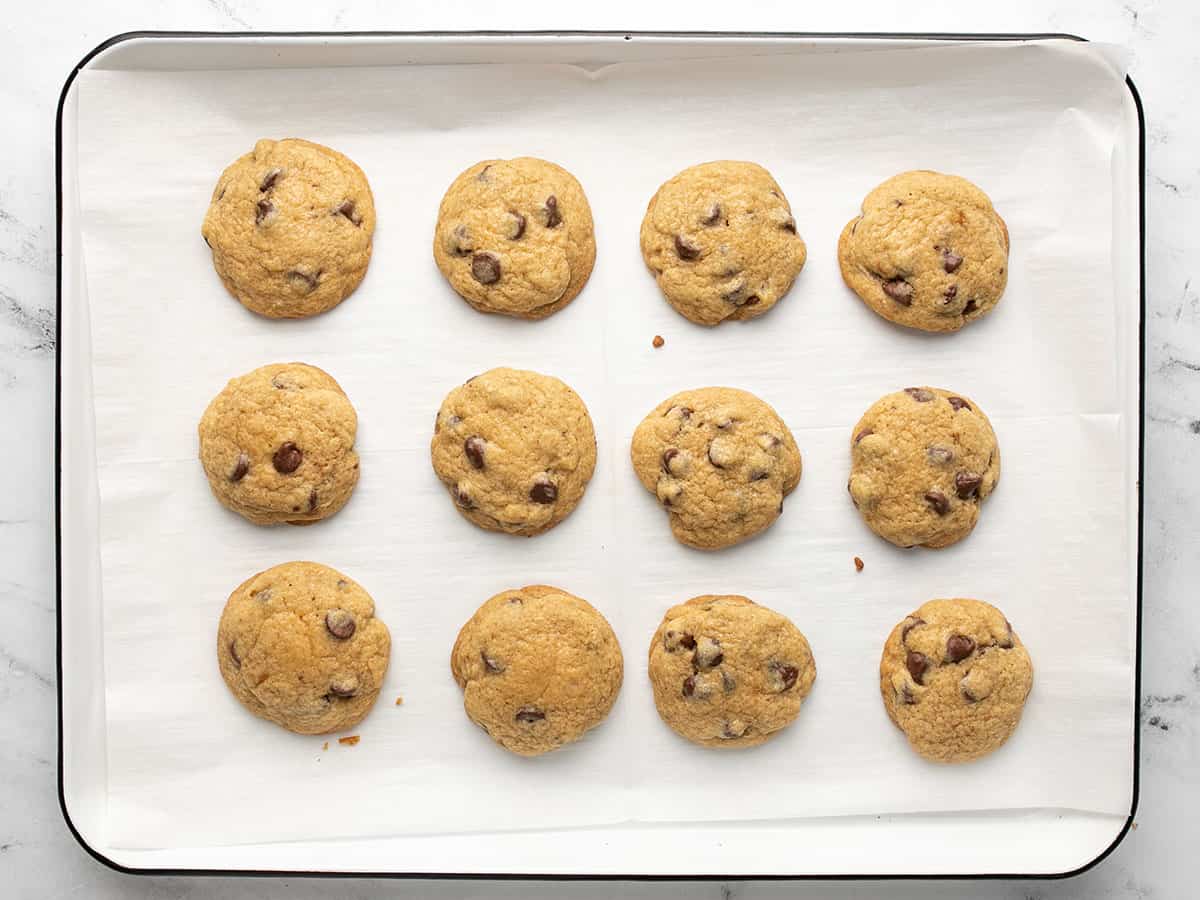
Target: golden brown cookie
{"type": "Point", "coordinates": [927, 252]}
{"type": "Point", "coordinates": [954, 678]}
{"type": "Point", "coordinates": [299, 645]}
{"type": "Point", "coordinates": [514, 236]}
{"type": "Point", "coordinates": [538, 667]}
{"type": "Point", "coordinates": [721, 241]}
{"type": "Point", "coordinates": [720, 461]}
{"type": "Point", "coordinates": [922, 461]}
{"type": "Point", "coordinates": [277, 445]}
{"type": "Point", "coordinates": [515, 450]}
{"type": "Point", "coordinates": [728, 673]}
{"type": "Point", "coordinates": [290, 228]}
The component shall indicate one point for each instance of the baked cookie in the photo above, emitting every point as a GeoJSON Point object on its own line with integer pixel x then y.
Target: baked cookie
{"type": "Point", "coordinates": [514, 236]}
{"type": "Point", "coordinates": [721, 241]}
{"type": "Point", "coordinates": [928, 251]}
{"type": "Point", "coordinates": [728, 673]}
{"type": "Point", "coordinates": [290, 227]}
{"type": "Point", "coordinates": [922, 461]}
{"type": "Point", "coordinates": [720, 462]}
{"type": "Point", "coordinates": [299, 645]}
{"type": "Point", "coordinates": [538, 667]}
{"type": "Point", "coordinates": [954, 679]}
{"type": "Point", "coordinates": [515, 450]}
{"type": "Point", "coordinates": [277, 445]}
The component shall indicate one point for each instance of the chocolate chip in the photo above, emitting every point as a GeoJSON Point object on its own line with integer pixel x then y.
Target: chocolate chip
{"type": "Point", "coordinates": [959, 647]}
{"type": "Point", "coordinates": [240, 468]}
{"type": "Point", "coordinates": [689, 685]}
{"type": "Point", "coordinates": [951, 293]}
{"type": "Point", "coordinates": [862, 434]}
{"type": "Point", "coordinates": [734, 729]}
{"type": "Point", "coordinates": [907, 697]}
{"type": "Point", "coordinates": [342, 583]}
{"type": "Point", "coordinates": [708, 653]}
{"type": "Point", "coordinates": [462, 497]}
{"type": "Point", "coordinates": [759, 474]}
{"type": "Point", "coordinates": [966, 484]}
{"type": "Point", "coordinates": [553, 216]}
{"type": "Point", "coordinates": [752, 300]}
{"type": "Point", "coordinates": [490, 664]}
{"type": "Point", "coordinates": [968, 695]}
{"type": "Point", "coordinates": [713, 216]}
{"type": "Point", "coordinates": [724, 424]}
{"type": "Point", "coordinates": [668, 491]}
{"type": "Point", "coordinates": [264, 209]}
{"type": "Point", "coordinates": [685, 248]}
{"type": "Point", "coordinates": [769, 442]}
{"type": "Point", "coordinates": [937, 502]}
{"type": "Point", "coordinates": [783, 676]}
{"type": "Point", "coordinates": [340, 623]}
{"type": "Point", "coordinates": [346, 208]}
{"type": "Point", "coordinates": [951, 261]}
{"type": "Point", "coordinates": [312, 500]}
{"type": "Point", "coordinates": [485, 267]}
{"type": "Point", "coordinates": [789, 224]}
{"type": "Point", "coordinates": [917, 665]}
{"type": "Point", "coordinates": [669, 454]}
{"type": "Point", "coordinates": [287, 458]}
{"type": "Point", "coordinates": [1008, 640]}
{"type": "Point", "coordinates": [516, 601]}
{"type": "Point", "coordinates": [344, 686]}
{"type": "Point", "coordinates": [528, 715]}
{"type": "Point", "coordinates": [736, 293]}
{"type": "Point", "coordinates": [474, 447]}
{"type": "Point", "coordinates": [483, 173]}
{"type": "Point", "coordinates": [909, 625]}
{"type": "Point", "coordinates": [958, 403]}
{"type": "Point", "coordinates": [262, 596]}
{"type": "Point", "coordinates": [460, 241]}
{"type": "Point", "coordinates": [919, 394]}
{"type": "Point", "coordinates": [233, 654]}
{"type": "Point", "coordinates": [269, 179]}
{"type": "Point", "coordinates": [543, 490]}
{"type": "Point", "coordinates": [899, 290]}
{"type": "Point", "coordinates": [304, 281]}
{"type": "Point", "coordinates": [940, 455]}
{"type": "Point", "coordinates": [684, 412]}
{"type": "Point", "coordinates": [516, 227]}
{"type": "Point", "coordinates": [721, 452]}
{"type": "Point", "coordinates": [673, 640]}
{"type": "Point", "coordinates": [969, 308]}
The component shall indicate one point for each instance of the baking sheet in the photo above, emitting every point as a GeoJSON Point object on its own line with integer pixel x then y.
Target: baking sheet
{"type": "Point", "coordinates": [1033, 124]}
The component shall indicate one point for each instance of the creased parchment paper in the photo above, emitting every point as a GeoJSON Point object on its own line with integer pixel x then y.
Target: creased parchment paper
{"type": "Point", "coordinates": [1033, 125]}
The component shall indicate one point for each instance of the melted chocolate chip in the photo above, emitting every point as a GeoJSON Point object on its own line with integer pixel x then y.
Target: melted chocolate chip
{"type": "Point", "coordinates": [553, 216]}
{"type": "Point", "coordinates": [919, 394]}
{"type": "Point", "coordinates": [783, 676]}
{"type": "Point", "coordinates": [233, 654]}
{"type": "Point", "coordinates": [862, 434]}
{"type": "Point", "coordinates": [689, 685]}
{"type": "Point", "coordinates": [669, 454]}
{"type": "Point", "coordinates": [264, 209]}
{"type": "Point", "coordinates": [685, 248]}
{"type": "Point", "coordinates": [490, 664]}
{"type": "Point", "coordinates": [937, 502]}
{"type": "Point", "coordinates": [958, 403]}
{"type": "Point", "coordinates": [269, 179]}
{"type": "Point", "coordinates": [966, 484]}
{"type": "Point", "coordinates": [713, 216]}
{"type": "Point", "coordinates": [287, 458]}
{"type": "Point", "coordinates": [951, 261]}
{"type": "Point", "coordinates": [917, 665]}
{"type": "Point", "coordinates": [543, 490]}
{"type": "Point", "coordinates": [463, 497]}
{"type": "Point", "coordinates": [970, 307]}
{"type": "Point", "coordinates": [344, 686]}
{"type": "Point", "coordinates": [940, 455]}
{"type": "Point", "coordinates": [959, 647]}
{"type": "Point", "coordinates": [528, 715]}
{"type": "Point", "coordinates": [312, 500]}
{"type": "Point", "coordinates": [474, 447]}
{"type": "Point", "coordinates": [951, 293]}
{"type": "Point", "coordinates": [346, 208]}
{"type": "Point", "coordinates": [240, 468]}
{"type": "Point", "coordinates": [912, 623]}
{"type": "Point", "coordinates": [899, 290]}
{"type": "Point", "coordinates": [340, 623]}
{"type": "Point", "coordinates": [485, 267]}
{"type": "Point", "coordinates": [516, 228]}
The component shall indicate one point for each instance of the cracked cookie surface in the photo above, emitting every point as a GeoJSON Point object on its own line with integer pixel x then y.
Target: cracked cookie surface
{"type": "Point", "coordinates": [954, 678]}
{"type": "Point", "coordinates": [299, 645]}
{"type": "Point", "coordinates": [515, 236]}
{"type": "Point", "coordinates": [290, 227]}
{"type": "Point", "coordinates": [538, 668]}
{"type": "Point", "coordinates": [923, 460]}
{"type": "Point", "coordinates": [721, 241]}
{"type": "Point", "coordinates": [928, 251]}
{"type": "Point", "coordinates": [277, 445]}
{"type": "Point", "coordinates": [727, 672]}
{"type": "Point", "coordinates": [515, 449]}
{"type": "Point", "coordinates": [720, 461]}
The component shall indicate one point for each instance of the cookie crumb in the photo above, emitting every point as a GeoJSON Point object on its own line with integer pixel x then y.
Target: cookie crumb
{"type": "Point", "coordinates": [325, 747]}
{"type": "Point", "coordinates": [858, 564]}
{"type": "Point", "coordinates": [399, 701]}
{"type": "Point", "coordinates": [350, 740]}
{"type": "Point", "coordinates": [658, 341]}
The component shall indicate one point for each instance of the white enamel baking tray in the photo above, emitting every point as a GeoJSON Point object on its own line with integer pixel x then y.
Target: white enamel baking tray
{"type": "Point", "coordinates": [1047, 842]}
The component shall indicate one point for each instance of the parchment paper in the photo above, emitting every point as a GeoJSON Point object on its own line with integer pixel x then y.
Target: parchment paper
{"type": "Point", "coordinates": [1033, 125]}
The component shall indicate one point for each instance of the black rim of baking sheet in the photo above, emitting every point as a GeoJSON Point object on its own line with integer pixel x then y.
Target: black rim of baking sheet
{"type": "Point", "coordinates": [622, 35]}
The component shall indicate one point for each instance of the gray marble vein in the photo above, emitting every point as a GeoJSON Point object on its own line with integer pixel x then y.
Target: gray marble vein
{"type": "Point", "coordinates": [42, 41]}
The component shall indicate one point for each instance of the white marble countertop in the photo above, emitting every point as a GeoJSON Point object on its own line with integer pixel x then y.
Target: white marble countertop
{"type": "Point", "coordinates": [42, 41]}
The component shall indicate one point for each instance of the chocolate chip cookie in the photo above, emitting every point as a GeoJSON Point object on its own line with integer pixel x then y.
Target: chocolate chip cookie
{"type": "Point", "coordinates": [721, 241]}
{"type": "Point", "coordinates": [954, 678]}
{"type": "Point", "coordinates": [727, 672]}
{"type": "Point", "coordinates": [720, 462]}
{"type": "Point", "coordinates": [277, 445]}
{"type": "Point", "coordinates": [538, 667]}
{"type": "Point", "coordinates": [922, 461]}
{"type": "Point", "coordinates": [927, 252]}
{"type": "Point", "coordinates": [290, 227]}
{"type": "Point", "coordinates": [515, 450]}
{"type": "Point", "coordinates": [299, 645]}
{"type": "Point", "coordinates": [514, 236]}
